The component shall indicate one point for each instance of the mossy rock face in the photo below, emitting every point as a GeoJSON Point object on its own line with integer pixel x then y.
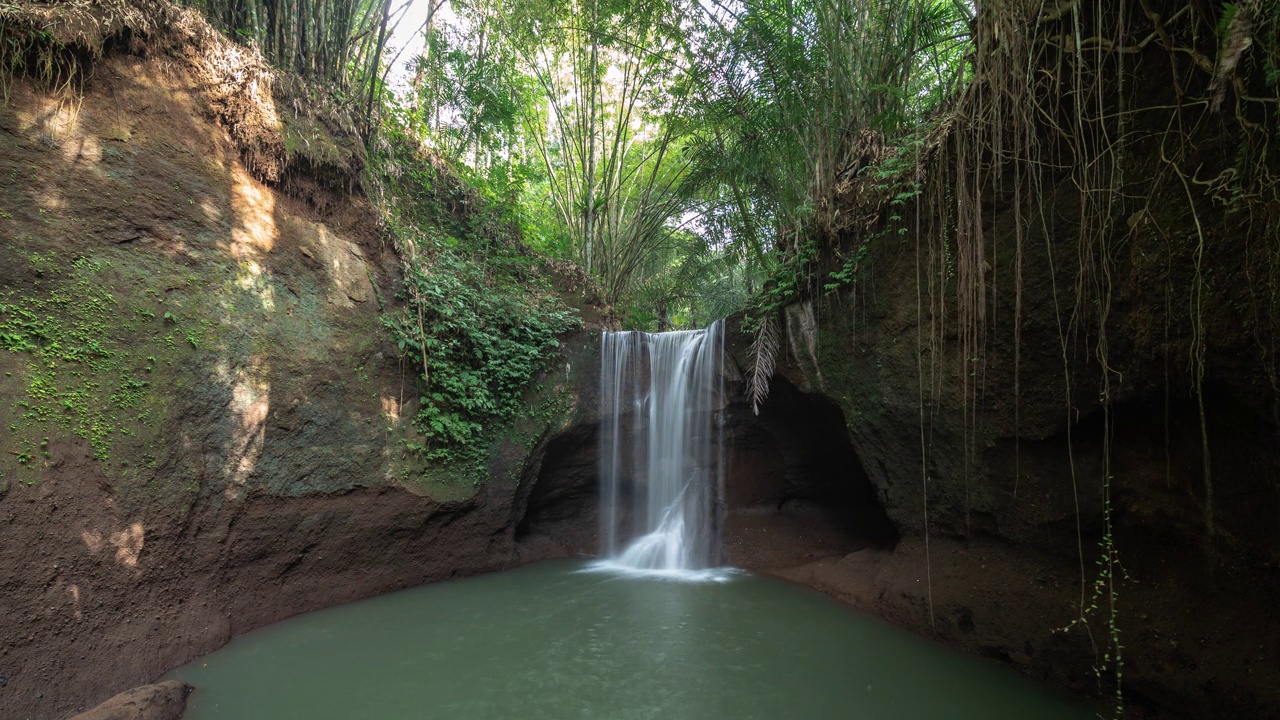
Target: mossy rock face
{"type": "Point", "coordinates": [202, 335]}
{"type": "Point", "coordinates": [203, 421]}
{"type": "Point", "coordinates": [88, 348]}
{"type": "Point", "coordinates": [129, 352]}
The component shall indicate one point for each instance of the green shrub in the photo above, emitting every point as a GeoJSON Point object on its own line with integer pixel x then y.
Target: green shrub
{"type": "Point", "coordinates": [481, 337]}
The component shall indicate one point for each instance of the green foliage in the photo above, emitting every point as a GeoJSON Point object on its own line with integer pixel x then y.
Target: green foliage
{"type": "Point", "coordinates": [614, 130]}
{"type": "Point", "coordinates": [468, 92]}
{"type": "Point", "coordinates": [483, 337]}
{"type": "Point", "coordinates": [893, 180]}
{"type": "Point", "coordinates": [795, 88]}
{"type": "Point", "coordinates": [477, 319]}
{"type": "Point", "coordinates": [595, 165]}
{"type": "Point", "coordinates": [609, 132]}
{"type": "Point", "coordinates": [689, 283]}
{"type": "Point", "coordinates": [1102, 600]}
{"type": "Point", "coordinates": [789, 279]}
{"type": "Point", "coordinates": [844, 275]}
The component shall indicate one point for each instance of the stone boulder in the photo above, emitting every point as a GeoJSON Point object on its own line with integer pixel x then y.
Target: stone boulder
{"type": "Point", "coordinates": [161, 701]}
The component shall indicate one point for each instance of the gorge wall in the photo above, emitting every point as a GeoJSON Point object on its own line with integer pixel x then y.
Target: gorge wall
{"type": "Point", "coordinates": [201, 416]}
{"type": "Point", "coordinates": [824, 489]}
{"type": "Point", "coordinates": [201, 425]}
{"type": "Point", "coordinates": [988, 459]}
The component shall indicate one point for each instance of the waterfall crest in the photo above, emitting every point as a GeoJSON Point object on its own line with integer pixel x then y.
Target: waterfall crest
{"type": "Point", "coordinates": [660, 428]}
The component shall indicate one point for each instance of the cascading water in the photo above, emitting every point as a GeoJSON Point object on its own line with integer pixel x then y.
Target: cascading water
{"type": "Point", "coordinates": [667, 386]}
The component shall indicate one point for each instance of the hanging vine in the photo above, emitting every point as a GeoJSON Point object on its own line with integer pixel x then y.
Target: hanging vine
{"type": "Point", "coordinates": [1052, 106]}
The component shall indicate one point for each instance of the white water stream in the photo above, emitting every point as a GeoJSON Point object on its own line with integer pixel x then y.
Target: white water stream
{"type": "Point", "coordinates": [661, 480]}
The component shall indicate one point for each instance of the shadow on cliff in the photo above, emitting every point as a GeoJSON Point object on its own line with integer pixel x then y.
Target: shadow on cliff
{"type": "Point", "coordinates": [791, 470]}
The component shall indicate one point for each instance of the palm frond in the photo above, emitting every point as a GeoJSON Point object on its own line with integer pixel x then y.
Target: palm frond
{"type": "Point", "coordinates": [764, 353]}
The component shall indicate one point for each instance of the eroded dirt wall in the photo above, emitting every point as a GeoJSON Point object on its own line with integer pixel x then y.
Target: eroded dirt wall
{"type": "Point", "coordinates": [201, 418]}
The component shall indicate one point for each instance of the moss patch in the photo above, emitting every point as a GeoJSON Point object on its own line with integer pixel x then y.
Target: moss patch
{"type": "Point", "coordinates": [84, 362]}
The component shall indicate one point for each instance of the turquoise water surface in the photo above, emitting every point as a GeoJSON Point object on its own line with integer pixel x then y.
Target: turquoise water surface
{"type": "Point", "coordinates": [551, 641]}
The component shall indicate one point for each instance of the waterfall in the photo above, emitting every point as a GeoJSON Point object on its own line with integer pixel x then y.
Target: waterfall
{"type": "Point", "coordinates": [660, 460]}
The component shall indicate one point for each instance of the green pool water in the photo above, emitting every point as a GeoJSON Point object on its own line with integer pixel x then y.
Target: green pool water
{"type": "Point", "coordinates": [552, 641]}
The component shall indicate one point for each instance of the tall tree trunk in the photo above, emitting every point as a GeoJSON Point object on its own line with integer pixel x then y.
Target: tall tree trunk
{"type": "Point", "coordinates": [373, 70]}
{"type": "Point", "coordinates": [589, 229]}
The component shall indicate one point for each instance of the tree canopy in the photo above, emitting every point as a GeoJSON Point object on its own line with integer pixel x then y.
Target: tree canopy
{"type": "Point", "coordinates": [670, 146]}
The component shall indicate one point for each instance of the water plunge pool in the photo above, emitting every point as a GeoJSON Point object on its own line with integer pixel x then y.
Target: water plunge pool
{"type": "Point", "coordinates": [552, 641]}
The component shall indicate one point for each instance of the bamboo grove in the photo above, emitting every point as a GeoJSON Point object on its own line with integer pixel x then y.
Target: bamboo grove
{"type": "Point", "coordinates": [339, 43]}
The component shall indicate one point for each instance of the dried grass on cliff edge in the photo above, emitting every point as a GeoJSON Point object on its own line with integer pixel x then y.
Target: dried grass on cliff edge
{"type": "Point", "coordinates": [288, 132]}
